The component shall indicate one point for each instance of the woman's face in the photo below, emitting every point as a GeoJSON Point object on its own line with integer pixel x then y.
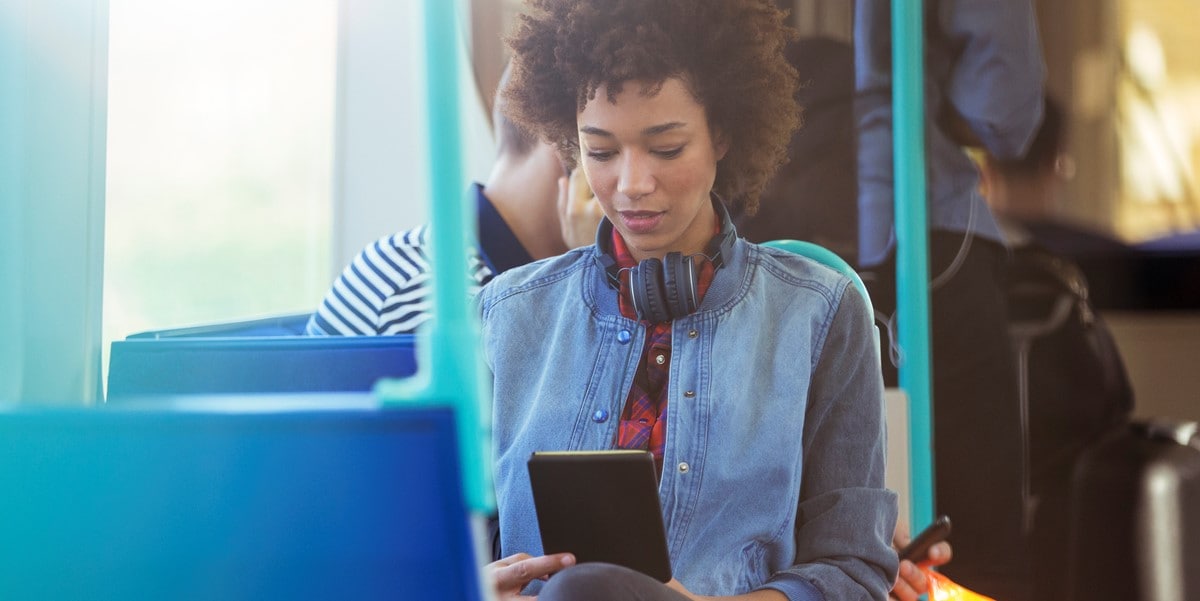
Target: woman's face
{"type": "Point", "coordinates": [651, 161]}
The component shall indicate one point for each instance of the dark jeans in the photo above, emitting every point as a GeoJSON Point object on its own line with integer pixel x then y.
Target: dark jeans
{"type": "Point", "coordinates": [605, 582]}
{"type": "Point", "coordinates": [977, 423]}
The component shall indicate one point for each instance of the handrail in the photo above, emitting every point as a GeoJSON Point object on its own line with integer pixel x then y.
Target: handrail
{"type": "Point", "coordinates": [450, 367]}
{"type": "Point", "coordinates": [912, 247]}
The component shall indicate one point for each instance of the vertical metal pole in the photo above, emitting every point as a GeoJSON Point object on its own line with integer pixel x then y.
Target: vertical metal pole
{"type": "Point", "coordinates": [456, 368]}
{"type": "Point", "coordinates": [451, 367]}
{"type": "Point", "coordinates": [912, 247]}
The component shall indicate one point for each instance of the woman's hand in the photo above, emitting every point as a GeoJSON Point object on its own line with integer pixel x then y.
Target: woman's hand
{"type": "Point", "coordinates": [911, 581]}
{"type": "Point", "coordinates": [510, 575]}
{"type": "Point", "coordinates": [578, 212]}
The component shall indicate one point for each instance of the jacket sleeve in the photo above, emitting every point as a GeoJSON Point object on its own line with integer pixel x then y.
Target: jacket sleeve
{"type": "Point", "coordinates": [996, 83]}
{"type": "Point", "coordinates": [845, 517]}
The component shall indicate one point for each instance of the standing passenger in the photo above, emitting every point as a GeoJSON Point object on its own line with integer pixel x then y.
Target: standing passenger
{"type": "Point", "coordinates": [983, 86]}
{"type": "Point", "coordinates": [751, 374]}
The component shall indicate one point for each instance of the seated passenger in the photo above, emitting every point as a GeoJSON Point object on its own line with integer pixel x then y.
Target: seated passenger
{"type": "Point", "coordinates": [750, 373]}
{"type": "Point", "coordinates": [384, 289]}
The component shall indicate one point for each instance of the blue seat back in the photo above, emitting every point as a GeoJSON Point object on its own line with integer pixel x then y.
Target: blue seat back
{"type": "Point", "coordinates": [141, 367]}
{"type": "Point", "coordinates": [124, 504]}
{"type": "Point", "coordinates": [291, 324]}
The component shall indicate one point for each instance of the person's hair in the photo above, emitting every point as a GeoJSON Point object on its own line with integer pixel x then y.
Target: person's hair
{"type": "Point", "coordinates": [511, 139]}
{"type": "Point", "coordinates": [729, 53]}
{"type": "Point", "coordinates": [1045, 149]}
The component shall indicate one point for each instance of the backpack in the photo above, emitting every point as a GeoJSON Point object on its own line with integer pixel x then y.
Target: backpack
{"type": "Point", "coordinates": [1074, 392]}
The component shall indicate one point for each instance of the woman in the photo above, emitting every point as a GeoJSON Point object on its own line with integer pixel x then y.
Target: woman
{"type": "Point", "coordinates": [757, 387]}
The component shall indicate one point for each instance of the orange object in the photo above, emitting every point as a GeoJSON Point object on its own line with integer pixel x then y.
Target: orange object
{"type": "Point", "coordinates": [942, 588]}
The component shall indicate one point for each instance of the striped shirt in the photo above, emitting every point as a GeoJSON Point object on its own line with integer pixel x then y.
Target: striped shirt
{"type": "Point", "coordinates": [385, 289]}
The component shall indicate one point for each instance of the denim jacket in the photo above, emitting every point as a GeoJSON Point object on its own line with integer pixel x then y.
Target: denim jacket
{"type": "Point", "coordinates": [774, 458]}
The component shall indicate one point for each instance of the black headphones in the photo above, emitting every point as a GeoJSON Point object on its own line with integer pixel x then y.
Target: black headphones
{"type": "Point", "coordinates": [665, 290]}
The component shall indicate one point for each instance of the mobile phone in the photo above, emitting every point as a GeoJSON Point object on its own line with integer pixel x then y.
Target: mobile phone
{"type": "Point", "coordinates": [916, 549]}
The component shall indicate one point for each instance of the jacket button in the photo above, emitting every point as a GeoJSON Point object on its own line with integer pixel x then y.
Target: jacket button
{"type": "Point", "coordinates": [693, 333]}
{"type": "Point", "coordinates": [684, 467]}
{"type": "Point", "coordinates": [624, 336]}
{"type": "Point", "coordinates": [600, 416]}
{"type": "Point", "coordinates": [689, 394]}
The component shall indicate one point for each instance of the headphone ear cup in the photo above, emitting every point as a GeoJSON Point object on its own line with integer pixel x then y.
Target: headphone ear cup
{"type": "Point", "coordinates": [647, 291]}
{"type": "Point", "coordinates": [679, 283]}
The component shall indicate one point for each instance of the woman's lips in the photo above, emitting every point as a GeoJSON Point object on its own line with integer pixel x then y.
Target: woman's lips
{"type": "Point", "coordinates": [641, 222]}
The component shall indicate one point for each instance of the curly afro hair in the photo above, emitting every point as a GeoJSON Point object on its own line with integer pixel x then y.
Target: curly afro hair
{"type": "Point", "coordinates": [728, 52]}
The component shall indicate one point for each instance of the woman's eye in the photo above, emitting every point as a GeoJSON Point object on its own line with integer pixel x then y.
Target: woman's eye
{"type": "Point", "coordinates": [600, 155]}
{"type": "Point", "coordinates": [669, 153]}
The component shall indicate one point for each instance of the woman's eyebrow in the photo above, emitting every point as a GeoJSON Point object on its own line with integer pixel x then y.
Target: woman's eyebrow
{"type": "Point", "coordinates": [595, 131]}
{"type": "Point", "coordinates": [653, 130]}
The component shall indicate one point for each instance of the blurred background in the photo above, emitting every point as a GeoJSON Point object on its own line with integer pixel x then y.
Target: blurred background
{"type": "Point", "coordinates": [253, 147]}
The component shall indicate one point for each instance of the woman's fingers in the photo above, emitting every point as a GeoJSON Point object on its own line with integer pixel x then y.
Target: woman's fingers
{"type": "Point", "coordinates": [939, 554]}
{"type": "Point", "coordinates": [564, 196]}
{"type": "Point", "coordinates": [910, 582]}
{"type": "Point", "coordinates": [515, 571]}
{"type": "Point", "coordinates": [578, 212]}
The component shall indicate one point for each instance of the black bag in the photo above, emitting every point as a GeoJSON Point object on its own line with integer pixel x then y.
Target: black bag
{"type": "Point", "coordinates": [1073, 390]}
{"type": "Point", "coordinates": [1135, 516]}
{"type": "Point", "coordinates": [1073, 384]}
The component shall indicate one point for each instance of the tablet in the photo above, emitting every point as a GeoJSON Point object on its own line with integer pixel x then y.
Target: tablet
{"type": "Point", "coordinates": [601, 506]}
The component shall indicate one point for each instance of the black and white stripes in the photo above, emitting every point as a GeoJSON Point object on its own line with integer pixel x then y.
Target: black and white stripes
{"type": "Point", "coordinates": [385, 289]}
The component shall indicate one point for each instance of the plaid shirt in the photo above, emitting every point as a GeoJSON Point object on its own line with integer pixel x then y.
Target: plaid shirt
{"type": "Point", "coordinates": [643, 424]}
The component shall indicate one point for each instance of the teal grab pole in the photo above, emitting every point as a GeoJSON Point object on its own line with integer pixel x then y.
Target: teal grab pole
{"type": "Point", "coordinates": [451, 367]}
{"type": "Point", "coordinates": [912, 248]}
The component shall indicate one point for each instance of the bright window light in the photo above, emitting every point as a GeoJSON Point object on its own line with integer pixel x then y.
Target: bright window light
{"type": "Point", "coordinates": [220, 151]}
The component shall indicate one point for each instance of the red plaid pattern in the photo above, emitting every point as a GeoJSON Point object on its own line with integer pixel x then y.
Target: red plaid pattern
{"type": "Point", "coordinates": [643, 420]}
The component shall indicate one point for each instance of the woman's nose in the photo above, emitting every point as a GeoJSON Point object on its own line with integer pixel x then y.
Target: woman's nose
{"type": "Point", "coordinates": [637, 177]}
